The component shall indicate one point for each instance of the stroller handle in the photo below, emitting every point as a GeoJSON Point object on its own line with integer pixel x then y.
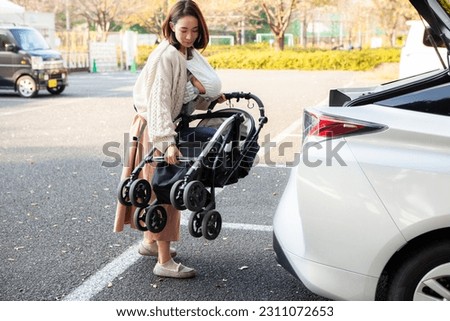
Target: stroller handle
{"type": "Point", "coordinates": [248, 96]}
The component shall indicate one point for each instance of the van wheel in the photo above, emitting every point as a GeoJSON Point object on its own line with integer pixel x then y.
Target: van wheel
{"type": "Point", "coordinates": [56, 90]}
{"type": "Point", "coordinates": [26, 86]}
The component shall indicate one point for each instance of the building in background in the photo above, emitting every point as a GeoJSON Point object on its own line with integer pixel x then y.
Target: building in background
{"type": "Point", "coordinates": [44, 22]}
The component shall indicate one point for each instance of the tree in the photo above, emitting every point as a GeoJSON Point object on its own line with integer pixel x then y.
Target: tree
{"type": "Point", "coordinates": [356, 22]}
{"type": "Point", "coordinates": [392, 14]}
{"type": "Point", "coordinates": [149, 14]}
{"type": "Point", "coordinates": [278, 17]}
{"type": "Point", "coordinates": [306, 11]}
{"type": "Point", "coordinates": [102, 13]}
{"type": "Point", "coordinates": [237, 16]}
{"type": "Point", "coordinates": [42, 6]}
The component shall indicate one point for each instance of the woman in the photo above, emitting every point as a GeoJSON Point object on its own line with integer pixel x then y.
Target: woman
{"type": "Point", "coordinates": [161, 90]}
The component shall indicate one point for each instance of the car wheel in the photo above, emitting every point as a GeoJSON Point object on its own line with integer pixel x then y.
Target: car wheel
{"type": "Point", "coordinates": [56, 90]}
{"type": "Point", "coordinates": [423, 276]}
{"type": "Point", "coordinates": [26, 87]}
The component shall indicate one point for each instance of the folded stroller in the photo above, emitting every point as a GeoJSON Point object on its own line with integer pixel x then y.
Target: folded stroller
{"type": "Point", "coordinates": [225, 157]}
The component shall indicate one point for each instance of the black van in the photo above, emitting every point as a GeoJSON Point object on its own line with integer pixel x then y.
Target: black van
{"type": "Point", "coordinates": [27, 64]}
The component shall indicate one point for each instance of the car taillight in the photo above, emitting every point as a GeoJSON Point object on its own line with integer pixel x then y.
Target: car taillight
{"type": "Point", "coordinates": [327, 126]}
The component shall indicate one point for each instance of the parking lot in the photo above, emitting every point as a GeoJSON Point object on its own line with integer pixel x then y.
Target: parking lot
{"type": "Point", "coordinates": [58, 196]}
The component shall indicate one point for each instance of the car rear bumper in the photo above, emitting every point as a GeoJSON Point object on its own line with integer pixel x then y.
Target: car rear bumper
{"type": "Point", "coordinates": [332, 231]}
{"type": "Point", "coordinates": [327, 281]}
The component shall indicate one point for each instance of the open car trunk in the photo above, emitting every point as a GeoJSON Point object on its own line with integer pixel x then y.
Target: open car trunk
{"type": "Point", "coordinates": [428, 92]}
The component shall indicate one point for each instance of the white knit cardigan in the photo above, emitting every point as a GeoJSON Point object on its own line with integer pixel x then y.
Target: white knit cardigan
{"type": "Point", "coordinates": [159, 91]}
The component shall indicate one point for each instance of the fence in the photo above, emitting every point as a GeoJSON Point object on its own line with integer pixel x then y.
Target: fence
{"type": "Point", "coordinates": [76, 61]}
{"type": "Point", "coordinates": [80, 48]}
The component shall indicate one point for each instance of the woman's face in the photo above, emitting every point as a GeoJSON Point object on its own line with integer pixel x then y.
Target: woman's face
{"type": "Point", "coordinates": [186, 31]}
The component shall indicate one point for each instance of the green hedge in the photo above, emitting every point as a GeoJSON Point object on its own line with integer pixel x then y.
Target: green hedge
{"type": "Point", "coordinates": [262, 57]}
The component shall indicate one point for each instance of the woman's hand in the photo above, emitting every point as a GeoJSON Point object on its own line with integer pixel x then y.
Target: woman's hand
{"type": "Point", "coordinates": [221, 99]}
{"type": "Point", "coordinates": [172, 154]}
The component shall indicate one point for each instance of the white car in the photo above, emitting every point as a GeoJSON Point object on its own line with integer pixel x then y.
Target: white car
{"type": "Point", "coordinates": [366, 213]}
{"type": "Point", "coordinates": [419, 54]}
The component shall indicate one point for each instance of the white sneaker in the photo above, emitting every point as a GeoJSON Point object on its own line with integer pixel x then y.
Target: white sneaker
{"type": "Point", "coordinates": [171, 269]}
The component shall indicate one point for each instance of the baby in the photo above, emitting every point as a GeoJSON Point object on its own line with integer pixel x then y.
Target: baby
{"type": "Point", "coordinates": [203, 80]}
{"type": "Point", "coordinates": [203, 87]}
{"type": "Point", "coordinates": [197, 84]}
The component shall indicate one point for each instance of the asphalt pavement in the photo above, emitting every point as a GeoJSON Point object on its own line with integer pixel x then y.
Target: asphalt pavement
{"type": "Point", "coordinates": [58, 197]}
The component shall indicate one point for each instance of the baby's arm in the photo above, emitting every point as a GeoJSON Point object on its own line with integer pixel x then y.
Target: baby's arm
{"type": "Point", "coordinates": [197, 84]}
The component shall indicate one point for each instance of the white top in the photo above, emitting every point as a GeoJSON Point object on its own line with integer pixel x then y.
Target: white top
{"type": "Point", "coordinates": [202, 70]}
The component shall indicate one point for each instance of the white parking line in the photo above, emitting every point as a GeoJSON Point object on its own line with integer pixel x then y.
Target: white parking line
{"type": "Point", "coordinates": [232, 226]}
{"type": "Point", "coordinates": [102, 278]}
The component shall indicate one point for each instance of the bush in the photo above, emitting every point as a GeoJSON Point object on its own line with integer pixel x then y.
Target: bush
{"type": "Point", "coordinates": [261, 56]}
{"type": "Point", "coordinates": [142, 55]}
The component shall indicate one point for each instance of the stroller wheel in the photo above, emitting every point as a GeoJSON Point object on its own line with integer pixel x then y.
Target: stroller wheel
{"type": "Point", "coordinates": [212, 224]}
{"type": "Point", "coordinates": [176, 196]}
{"type": "Point", "coordinates": [123, 192]}
{"type": "Point", "coordinates": [156, 218]}
{"type": "Point", "coordinates": [140, 193]}
{"type": "Point", "coordinates": [195, 196]}
{"type": "Point", "coordinates": [139, 219]}
{"type": "Point", "coordinates": [195, 224]}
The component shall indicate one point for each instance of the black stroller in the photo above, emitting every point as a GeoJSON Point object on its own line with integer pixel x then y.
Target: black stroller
{"type": "Point", "coordinates": [221, 160]}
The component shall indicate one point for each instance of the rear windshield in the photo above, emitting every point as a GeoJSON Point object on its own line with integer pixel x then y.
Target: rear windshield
{"type": "Point", "coordinates": [29, 39]}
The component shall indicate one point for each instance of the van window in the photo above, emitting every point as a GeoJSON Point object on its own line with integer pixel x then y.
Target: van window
{"type": "Point", "coordinates": [29, 39]}
{"type": "Point", "coordinates": [3, 42]}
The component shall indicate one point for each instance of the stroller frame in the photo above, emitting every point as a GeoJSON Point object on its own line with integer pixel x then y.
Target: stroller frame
{"type": "Point", "coordinates": [190, 192]}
